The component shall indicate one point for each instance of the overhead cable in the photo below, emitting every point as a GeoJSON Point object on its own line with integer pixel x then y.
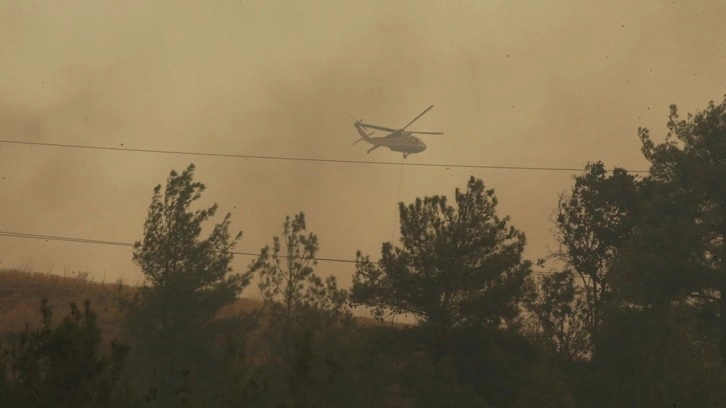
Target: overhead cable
{"type": "Point", "coordinates": [12, 234]}
{"type": "Point", "coordinates": [299, 159]}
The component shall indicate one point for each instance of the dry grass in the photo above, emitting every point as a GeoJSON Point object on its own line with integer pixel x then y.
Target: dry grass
{"type": "Point", "coordinates": [21, 292]}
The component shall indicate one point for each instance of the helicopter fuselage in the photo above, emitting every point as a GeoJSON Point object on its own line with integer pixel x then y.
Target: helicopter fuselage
{"type": "Point", "coordinates": [397, 140]}
{"type": "Point", "coordinates": [400, 141]}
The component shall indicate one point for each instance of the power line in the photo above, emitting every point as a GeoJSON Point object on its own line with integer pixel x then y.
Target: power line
{"type": "Point", "coordinates": [127, 244]}
{"type": "Point", "coordinates": [290, 158]}
{"type": "Point", "coordinates": [12, 234]}
{"type": "Point", "coordinates": [64, 239]}
{"type": "Point", "coordinates": [240, 156]}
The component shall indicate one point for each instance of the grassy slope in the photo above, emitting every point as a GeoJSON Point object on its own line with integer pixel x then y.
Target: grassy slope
{"type": "Point", "coordinates": [21, 292]}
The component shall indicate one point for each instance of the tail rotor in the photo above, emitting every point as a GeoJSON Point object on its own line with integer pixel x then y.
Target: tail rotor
{"type": "Point", "coordinates": [360, 129]}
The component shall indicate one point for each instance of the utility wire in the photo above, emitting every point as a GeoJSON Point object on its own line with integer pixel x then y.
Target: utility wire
{"type": "Point", "coordinates": [290, 158]}
{"type": "Point", "coordinates": [257, 157]}
{"type": "Point", "coordinates": [65, 239]}
{"type": "Point", "coordinates": [128, 244]}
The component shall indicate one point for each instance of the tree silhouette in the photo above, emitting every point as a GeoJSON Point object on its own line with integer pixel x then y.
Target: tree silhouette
{"type": "Point", "coordinates": [304, 311]}
{"type": "Point", "coordinates": [456, 266]}
{"type": "Point", "coordinates": [188, 281]}
{"type": "Point", "coordinates": [678, 251]}
{"type": "Point", "coordinates": [63, 365]}
{"type": "Point", "coordinates": [592, 221]}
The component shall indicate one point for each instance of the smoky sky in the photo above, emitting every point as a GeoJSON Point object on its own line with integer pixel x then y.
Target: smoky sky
{"type": "Point", "coordinates": [513, 83]}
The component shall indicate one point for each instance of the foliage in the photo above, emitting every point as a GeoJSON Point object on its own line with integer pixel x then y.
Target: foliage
{"type": "Point", "coordinates": [683, 215]}
{"type": "Point", "coordinates": [306, 318]}
{"type": "Point", "coordinates": [456, 265]}
{"type": "Point", "coordinates": [592, 221]}
{"type": "Point", "coordinates": [663, 260]}
{"type": "Point", "coordinates": [188, 281]}
{"type": "Point", "coordinates": [288, 281]}
{"type": "Point", "coordinates": [309, 387]}
{"type": "Point", "coordinates": [559, 310]}
{"type": "Point", "coordinates": [63, 365]}
{"type": "Point", "coordinates": [677, 254]}
{"type": "Point", "coordinates": [173, 258]}
{"type": "Point", "coordinates": [240, 385]}
{"type": "Point", "coordinates": [649, 358]}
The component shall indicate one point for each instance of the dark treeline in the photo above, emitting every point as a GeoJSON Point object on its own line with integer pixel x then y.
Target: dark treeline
{"type": "Point", "coordinates": [632, 310]}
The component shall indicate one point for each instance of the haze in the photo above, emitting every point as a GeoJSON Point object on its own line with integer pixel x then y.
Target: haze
{"type": "Point", "coordinates": [514, 83]}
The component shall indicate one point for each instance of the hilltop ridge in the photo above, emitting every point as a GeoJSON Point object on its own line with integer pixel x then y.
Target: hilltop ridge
{"type": "Point", "coordinates": [21, 292]}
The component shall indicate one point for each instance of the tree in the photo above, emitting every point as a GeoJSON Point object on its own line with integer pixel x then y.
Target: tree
{"type": "Point", "coordinates": [63, 365]}
{"type": "Point", "coordinates": [304, 313]}
{"type": "Point", "coordinates": [456, 266]}
{"type": "Point", "coordinates": [667, 278]}
{"type": "Point", "coordinates": [288, 281]}
{"type": "Point", "coordinates": [648, 358]}
{"type": "Point", "coordinates": [291, 289]}
{"type": "Point", "coordinates": [559, 309]}
{"type": "Point", "coordinates": [684, 241]}
{"type": "Point", "coordinates": [188, 281]}
{"type": "Point", "coordinates": [663, 259]}
{"type": "Point", "coordinates": [592, 221]}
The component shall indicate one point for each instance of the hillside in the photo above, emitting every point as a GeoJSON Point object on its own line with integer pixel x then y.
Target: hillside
{"type": "Point", "coordinates": [21, 292]}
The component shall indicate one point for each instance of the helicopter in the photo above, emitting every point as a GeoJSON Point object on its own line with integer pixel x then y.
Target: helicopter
{"type": "Point", "coordinates": [398, 140]}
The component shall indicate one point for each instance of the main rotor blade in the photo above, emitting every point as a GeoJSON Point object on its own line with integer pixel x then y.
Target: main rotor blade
{"type": "Point", "coordinates": [365, 125]}
{"type": "Point", "coordinates": [416, 118]}
{"type": "Point", "coordinates": [426, 133]}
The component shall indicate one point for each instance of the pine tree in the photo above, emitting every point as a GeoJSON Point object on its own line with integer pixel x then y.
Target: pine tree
{"type": "Point", "coordinates": [456, 266]}
{"type": "Point", "coordinates": [188, 281]}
